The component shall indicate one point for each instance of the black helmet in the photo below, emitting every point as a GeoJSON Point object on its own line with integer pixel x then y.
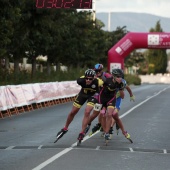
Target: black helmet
{"type": "Point", "coordinates": [90, 73]}
{"type": "Point", "coordinates": [117, 72]}
{"type": "Point", "coordinates": [122, 73]}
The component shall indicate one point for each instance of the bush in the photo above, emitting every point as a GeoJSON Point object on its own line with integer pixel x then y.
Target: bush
{"type": "Point", "coordinates": [132, 79]}
{"type": "Point", "coordinates": [25, 77]}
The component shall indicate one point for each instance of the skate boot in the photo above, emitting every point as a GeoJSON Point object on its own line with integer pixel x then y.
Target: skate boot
{"type": "Point", "coordinates": [127, 136]}
{"type": "Point", "coordinates": [103, 133]}
{"type": "Point", "coordinates": [117, 128]}
{"type": "Point", "coordinates": [101, 130]}
{"type": "Point", "coordinates": [87, 128]}
{"type": "Point", "coordinates": [95, 129]}
{"type": "Point", "coordinates": [80, 138]}
{"type": "Point", "coordinates": [60, 134]}
{"type": "Point", "coordinates": [107, 138]}
{"type": "Point", "coordinates": [111, 132]}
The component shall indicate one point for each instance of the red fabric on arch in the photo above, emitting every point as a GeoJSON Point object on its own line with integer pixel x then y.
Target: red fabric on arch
{"type": "Point", "coordinates": [135, 40]}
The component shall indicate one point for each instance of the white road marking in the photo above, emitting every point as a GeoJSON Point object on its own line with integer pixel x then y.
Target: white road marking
{"type": "Point", "coordinates": [98, 148]}
{"type": "Point", "coordinates": [40, 147]}
{"type": "Point", "coordinates": [48, 161]}
{"type": "Point", "coordinates": [165, 151]}
{"type": "Point", "coordinates": [133, 108]}
{"type": "Point", "coordinates": [131, 149]}
{"type": "Point", "coordinates": [42, 165]}
{"type": "Point", "coordinates": [10, 147]}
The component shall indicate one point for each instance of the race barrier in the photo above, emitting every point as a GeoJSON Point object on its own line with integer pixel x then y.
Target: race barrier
{"type": "Point", "coordinates": [153, 79]}
{"type": "Point", "coordinates": [16, 99]}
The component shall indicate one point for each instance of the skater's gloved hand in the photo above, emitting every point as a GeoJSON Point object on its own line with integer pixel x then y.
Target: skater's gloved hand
{"type": "Point", "coordinates": [132, 98]}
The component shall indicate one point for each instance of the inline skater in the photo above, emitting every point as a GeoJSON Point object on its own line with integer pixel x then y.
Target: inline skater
{"type": "Point", "coordinates": [101, 116]}
{"type": "Point", "coordinates": [119, 99]}
{"type": "Point", "coordinates": [107, 98]}
{"type": "Point", "coordinates": [98, 68]}
{"type": "Point", "coordinates": [89, 86]}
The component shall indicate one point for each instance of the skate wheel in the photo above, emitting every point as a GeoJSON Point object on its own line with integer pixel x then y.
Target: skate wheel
{"type": "Point", "coordinates": [111, 136]}
{"type": "Point", "coordinates": [79, 143]}
{"type": "Point", "coordinates": [106, 142]}
{"type": "Point", "coordinates": [59, 136]}
{"type": "Point", "coordinates": [102, 135]}
{"type": "Point", "coordinates": [91, 133]}
{"type": "Point", "coordinates": [130, 140]}
{"type": "Point", "coordinates": [57, 139]}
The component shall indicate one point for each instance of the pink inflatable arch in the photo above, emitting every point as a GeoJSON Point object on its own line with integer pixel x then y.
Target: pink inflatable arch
{"type": "Point", "coordinates": [131, 41]}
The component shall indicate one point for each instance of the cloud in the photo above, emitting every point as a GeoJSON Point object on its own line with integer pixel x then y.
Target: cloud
{"type": "Point", "coordinates": [155, 7]}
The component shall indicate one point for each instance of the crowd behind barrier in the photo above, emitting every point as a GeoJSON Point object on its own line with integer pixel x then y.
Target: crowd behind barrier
{"type": "Point", "coordinates": [15, 99]}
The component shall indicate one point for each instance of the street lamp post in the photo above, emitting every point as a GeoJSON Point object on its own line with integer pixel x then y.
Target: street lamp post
{"type": "Point", "coordinates": [94, 12]}
{"type": "Point", "coordinates": [109, 20]}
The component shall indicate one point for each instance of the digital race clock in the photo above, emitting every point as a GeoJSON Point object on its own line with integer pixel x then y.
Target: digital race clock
{"type": "Point", "coordinates": [76, 4]}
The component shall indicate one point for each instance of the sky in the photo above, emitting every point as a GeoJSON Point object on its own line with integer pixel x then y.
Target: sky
{"type": "Point", "coordinates": [155, 7]}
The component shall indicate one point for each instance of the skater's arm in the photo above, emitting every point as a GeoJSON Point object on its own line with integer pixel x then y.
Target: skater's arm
{"type": "Point", "coordinates": [122, 94]}
{"type": "Point", "coordinates": [81, 80]}
{"type": "Point", "coordinates": [132, 97]}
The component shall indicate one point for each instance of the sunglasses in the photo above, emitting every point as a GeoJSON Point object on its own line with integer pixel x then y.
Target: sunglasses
{"type": "Point", "coordinates": [97, 71]}
{"type": "Point", "coordinates": [89, 78]}
{"type": "Point", "coordinates": [118, 76]}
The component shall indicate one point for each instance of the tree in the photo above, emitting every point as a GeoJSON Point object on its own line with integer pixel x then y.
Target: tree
{"type": "Point", "coordinates": [157, 58]}
{"type": "Point", "coordinates": [135, 59]}
{"type": "Point", "coordinates": [9, 13]}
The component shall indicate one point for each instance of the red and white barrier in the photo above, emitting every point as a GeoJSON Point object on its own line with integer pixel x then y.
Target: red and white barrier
{"type": "Point", "coordinates": [14, 96]}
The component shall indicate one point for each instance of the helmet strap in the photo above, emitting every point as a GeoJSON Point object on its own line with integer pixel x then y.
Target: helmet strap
{"type": "Point", "coordinates": [114, 77]}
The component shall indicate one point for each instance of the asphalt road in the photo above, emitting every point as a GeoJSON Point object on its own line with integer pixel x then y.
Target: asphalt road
{"type": "Point", "coordinates": [26, 141]}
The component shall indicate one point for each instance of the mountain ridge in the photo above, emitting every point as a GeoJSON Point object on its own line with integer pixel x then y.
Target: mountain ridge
{"type": "Point", "coordinates": [134, 22]}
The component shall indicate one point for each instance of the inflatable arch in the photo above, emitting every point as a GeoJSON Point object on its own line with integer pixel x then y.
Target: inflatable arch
{"type": "Point", "coordinates": [131, 41]}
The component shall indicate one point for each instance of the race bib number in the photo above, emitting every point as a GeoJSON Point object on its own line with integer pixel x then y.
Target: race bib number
{"type": "Point", "coordinates": [97, 107]}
